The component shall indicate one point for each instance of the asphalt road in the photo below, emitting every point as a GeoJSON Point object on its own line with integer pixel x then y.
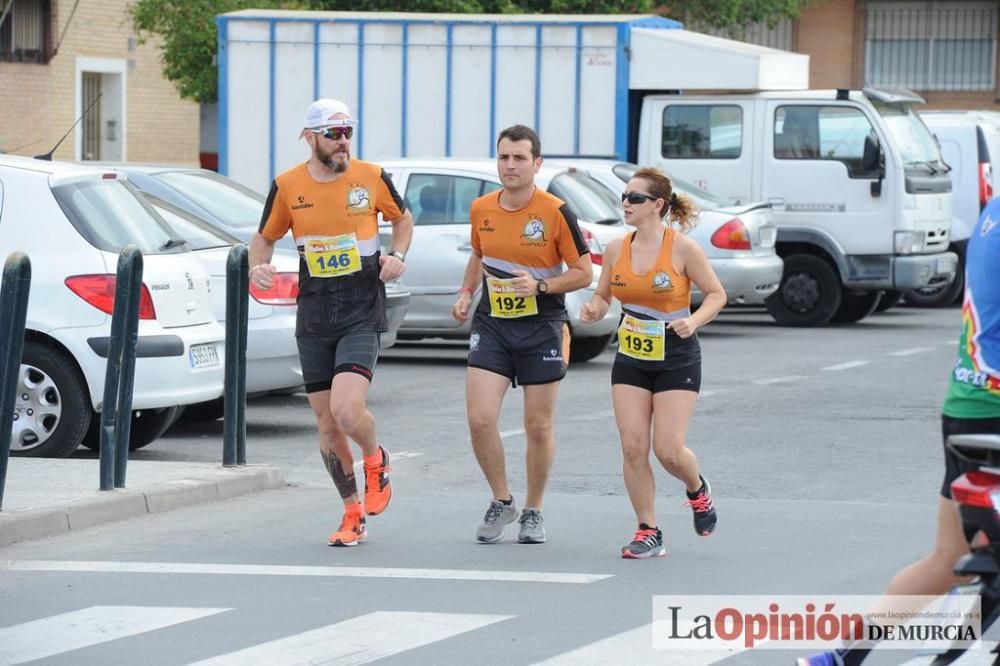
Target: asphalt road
{"type": "Point", "coordinates": [823, 448]}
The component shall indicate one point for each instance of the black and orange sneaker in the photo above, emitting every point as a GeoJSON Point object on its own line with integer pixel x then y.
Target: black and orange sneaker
{"type": "Point", "coordinates": [704, 510]}
{"type": "Point", "coordinates": [647, 543]}
{"type": "Point", "coordinates": [352, 528]}
{"type": "Point", "coordinates": [378, 490]}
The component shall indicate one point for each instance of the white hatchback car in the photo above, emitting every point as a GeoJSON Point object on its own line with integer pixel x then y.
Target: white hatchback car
{"type": "Point", "coordinates": [72, 221]}
{"type": "Point", "coordinates": [439, 192]}
{"type": "Point", "coordinates": [739, 240]}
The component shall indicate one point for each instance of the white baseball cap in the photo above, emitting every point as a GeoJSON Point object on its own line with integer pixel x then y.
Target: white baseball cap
{"type": "Point", "coordinates": [321, 114]}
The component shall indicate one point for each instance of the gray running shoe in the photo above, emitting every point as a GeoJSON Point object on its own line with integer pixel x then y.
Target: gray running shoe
{"type": "Point", "coordinates": [532, 530]}
{"type": "Point", "coordinates": [497, 517]}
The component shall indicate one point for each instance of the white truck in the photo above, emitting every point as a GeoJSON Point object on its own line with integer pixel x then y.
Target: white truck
{"type": "Point", "coordinates": [861, 201]}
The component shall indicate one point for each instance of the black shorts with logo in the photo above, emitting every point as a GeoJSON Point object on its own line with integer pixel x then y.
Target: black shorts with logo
{"type": "Point", "coordinates": [352, 351]}
{"type": "Point", "coordinates": [656, 378]}
{"type": "Point", "coordinates": [526, 352]}
{"type": "Point", "coordinates": [954, 466]}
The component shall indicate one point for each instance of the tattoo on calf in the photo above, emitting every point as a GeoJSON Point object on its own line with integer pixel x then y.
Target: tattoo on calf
{"type": "Point", "coordinates": [344, 481]}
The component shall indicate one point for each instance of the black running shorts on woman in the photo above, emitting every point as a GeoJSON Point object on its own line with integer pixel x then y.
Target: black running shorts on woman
{"type": "Point", "coordinates": [322, 358]}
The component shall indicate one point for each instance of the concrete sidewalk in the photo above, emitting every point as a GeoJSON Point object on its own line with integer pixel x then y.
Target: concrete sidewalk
{"type": "Point", "coordinates": [45, 497]}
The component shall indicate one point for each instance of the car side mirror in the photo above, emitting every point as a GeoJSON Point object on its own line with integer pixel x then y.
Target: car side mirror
{"type": "Point", "coordinates": [873, 162]}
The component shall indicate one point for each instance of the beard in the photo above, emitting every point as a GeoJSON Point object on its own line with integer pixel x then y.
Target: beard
{"type": "Point", "coordinates": [336, 161]}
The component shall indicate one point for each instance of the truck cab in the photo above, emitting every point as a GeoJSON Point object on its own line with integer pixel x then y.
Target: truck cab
{"type": "Point", "coordinates": [861, 196]}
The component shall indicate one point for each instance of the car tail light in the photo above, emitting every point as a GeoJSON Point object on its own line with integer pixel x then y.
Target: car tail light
{"type": "Point", "coordinates": [981, 489]}
{"type": "Point", "coordinates": [284, 290]}
{"type": "Point", "coordinates": [596, 254]}
{"type": "Point", "coordinates": [99, 291]}
{"type": "Point", "coordinates": [732, 235]}
{"type": "Point", "coordinates": [985, 184]}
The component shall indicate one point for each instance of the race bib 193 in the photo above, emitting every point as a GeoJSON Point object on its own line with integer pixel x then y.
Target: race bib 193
{"type": "Point", "coordinates": [504, 301]}
{"type": "Point", "coordinates": [333, 256]}
{"type": "Point", "coordinates": [642, 339]}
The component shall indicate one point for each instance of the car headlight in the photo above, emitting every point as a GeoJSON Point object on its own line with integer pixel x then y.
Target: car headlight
{"type": "Point", "coordinates": [910, 242]}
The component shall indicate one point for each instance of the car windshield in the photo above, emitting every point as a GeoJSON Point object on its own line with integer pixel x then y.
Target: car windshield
{"type": "Point", "coordinates": [227, 200]}
{"type": "Point", "coordinates": [199, 234]}
{"type": "Point", "coordinates": [915, 142]}
{"type": "Point", "coordinates": [587, 198]}
{"type": "Point", "coordinates": [111, 214]}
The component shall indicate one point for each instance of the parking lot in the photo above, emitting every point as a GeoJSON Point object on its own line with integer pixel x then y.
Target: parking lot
{"type": "Point", "coordinates": [836, 413]}
{"type": "Point", "coordinates": [822, 447]}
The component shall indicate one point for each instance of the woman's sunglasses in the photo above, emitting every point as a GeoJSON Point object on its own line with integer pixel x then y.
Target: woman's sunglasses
{"type": "Point", "coordinates": [335, 133]}
{"type": "Point", "coordinates": [637, 197]}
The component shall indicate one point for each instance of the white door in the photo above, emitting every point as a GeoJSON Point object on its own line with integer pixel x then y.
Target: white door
{"type": "Point", "coordinates": [811, 162]}
{"type": "Point", "coordinates": [708, 143]}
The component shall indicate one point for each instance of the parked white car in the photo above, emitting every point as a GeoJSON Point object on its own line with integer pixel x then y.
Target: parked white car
{"type": "Point", "coordinates": [738, 239]}
{"type": "Point", "coordinates": [970, 144]}
{"type": "Point", "coordinates": [72, 221]}
{"type": "Point", "coordinates": [438, 193]}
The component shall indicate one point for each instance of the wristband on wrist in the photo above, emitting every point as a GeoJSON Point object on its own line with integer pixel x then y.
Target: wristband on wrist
{"type": "Point", "coordinates": [465, 290]}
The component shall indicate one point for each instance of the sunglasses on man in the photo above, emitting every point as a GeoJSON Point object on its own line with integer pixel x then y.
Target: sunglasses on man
{"type": "Point", "coordinates": [637, 197]}
{"type": "Point", "coordinates": [334, 133]}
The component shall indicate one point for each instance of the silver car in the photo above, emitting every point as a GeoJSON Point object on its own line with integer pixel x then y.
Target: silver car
{"type": "Point", "coordinates": [439, 193]}
{"type": "Point", "coordinates": [738, 240]}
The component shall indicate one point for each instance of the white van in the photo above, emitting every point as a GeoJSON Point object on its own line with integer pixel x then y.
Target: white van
{"type": "Point", "coordinates": [861, 197]}
{"type": "Point", "coordinates": [970, 142]}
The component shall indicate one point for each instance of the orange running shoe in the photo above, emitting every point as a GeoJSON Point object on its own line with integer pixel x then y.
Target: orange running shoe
{"type": "Point", "coordinates": [378, 490]}
{"type": "Point", "coordinates": [352, 528]}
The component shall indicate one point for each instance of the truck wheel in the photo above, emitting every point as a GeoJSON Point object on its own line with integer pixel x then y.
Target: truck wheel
{"type": "Point", "coordinates": [52, 406]}
{"type": "Point", "coordinates": [890, 299]}
{"type": "Point", "coordinates": [146, 427]}
{"type": "Point", "coordinates": [941, 295]}
{"type": "Point", "coordinates": [809, 294]}
{"type": "Point", "coordinates": [584, 349]}
{"type": "Point", "coordinates": [855, 307]}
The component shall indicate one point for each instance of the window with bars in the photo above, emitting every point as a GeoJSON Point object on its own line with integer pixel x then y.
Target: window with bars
{"type": "Point", "coordinates": [931, 45]}
{"type": "Point", "coordinates": [25, 30]}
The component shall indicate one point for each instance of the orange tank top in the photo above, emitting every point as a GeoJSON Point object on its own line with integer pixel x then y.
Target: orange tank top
{"type": "Point", "coordinates": [660, 293]}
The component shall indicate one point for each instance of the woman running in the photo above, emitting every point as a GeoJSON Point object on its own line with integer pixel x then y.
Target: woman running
{"type": "Point", "coordinates": [657, 371]}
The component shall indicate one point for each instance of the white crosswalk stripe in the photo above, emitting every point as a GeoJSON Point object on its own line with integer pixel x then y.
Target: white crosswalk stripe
{"type": "Point", "coordinates": [57, 634]}
{"type": "Point", "coordinates": [637, 644]}
{"type": "Point", "coordinates": [365, 639]}
{"type": "Point", "coordinates": [291, 570]}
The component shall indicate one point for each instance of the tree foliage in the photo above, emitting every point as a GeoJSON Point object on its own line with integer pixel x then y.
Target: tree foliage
{"type": "Point", "coordinates": [187, 30]}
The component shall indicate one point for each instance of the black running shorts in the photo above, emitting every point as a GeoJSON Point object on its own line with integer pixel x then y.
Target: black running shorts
{"type": "Point", "coordinates": [322, 358]}
{"type": "Point", "coordinates": [655, 380]}
{"type": "Point", "coordinates": [954, 466]}
{"type": "Point", "coordinates": [526, 352]}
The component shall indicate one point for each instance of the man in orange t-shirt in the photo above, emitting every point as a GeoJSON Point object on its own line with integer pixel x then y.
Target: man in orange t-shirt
{"type": "Point", "coordinates": [331, 205]}
{"type": "Point", "coordinates": [527, 252]}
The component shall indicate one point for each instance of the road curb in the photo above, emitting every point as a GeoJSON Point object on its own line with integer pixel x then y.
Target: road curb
{"type": "Point", "coordinates": [109, 506]}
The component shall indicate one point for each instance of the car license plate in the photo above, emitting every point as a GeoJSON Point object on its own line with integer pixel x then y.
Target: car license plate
{"type": "Point", "coordinates": [944, 265]}
{"type": "Point", "coordinates": [203, 356]}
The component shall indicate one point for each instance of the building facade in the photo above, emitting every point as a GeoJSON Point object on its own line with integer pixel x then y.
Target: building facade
{"type": "Point", "coordinates": [944, 50]}
{"type": "Point", "coordinates": [59, 58]}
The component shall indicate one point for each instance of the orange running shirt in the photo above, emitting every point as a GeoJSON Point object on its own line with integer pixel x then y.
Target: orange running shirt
{"type": "Point", "coordinates": [538, 239]}
{"type": "Point", "coordinates": [312, 210]}
{"type": "Point", "coordinates": [660, 293]}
